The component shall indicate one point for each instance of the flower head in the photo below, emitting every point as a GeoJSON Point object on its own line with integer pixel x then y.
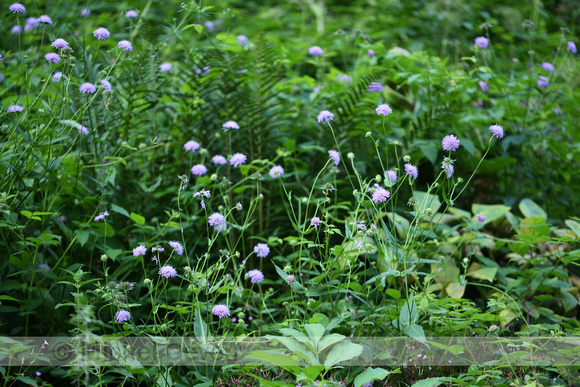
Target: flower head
{"type": "Point", "coordinates": [107, 85]}
{"type": "Point", "coordinates": [218, 160]}
{"type": "Point", "coordinates": [199, 169]}
{"type": "Point", "coordinates": [216, 219]}
{"type": "Point", "coordinates": [60, 43]}
{"type": "Point", "coordinates": [87, 88]}
{"type": "Point", "coordinates": [572, 47]}
{"type": "Point", "coordinates": [122, 315]}
{"type": "Point", "coordinates": [343, 78]}
{"type": "Point", "coordinates": [256, 276]}
{"type": "Point", "coordinates": [548, 67]}
{"type": "Point", "coordinates": [481, 42]}
{"type": "Point", "coordinates": [450, 143]}
{"type": "Point", "coordinates": [412, 171]}
{"type": "Point", "coordinates": [16, 29]}
{"type": "Point", "coordinates": [543, 81]}
{"type": "Point", "coordinates": [167, 271]}
{"type": "Point", "coordinates": [449, 170]}
{"type": "Point", "coordinates": [335, 156]}
{"type": "Point", "coordinates": [17, 8]}
{"type": "Point", "coordinates": [57, 76]}
{"type": "Point", "coordinates": [166, 67]}
{"type": "Point", "coordinates": [139, 250]}
{"type": "Point", "coordinates": [481, 218]}
{"type": "Point", "coordinates": [262, 250]}
{"type": "Point", "coordinates": [14, 109]}
{"type": "Point", "coordinates": [85, 132]}
{"type": "Point", "coordinates": [177, 247]}
{"type": "Point", "coordinates": [375, 87]}
{"type": "Point", "coordinates": [191, 146]}
{"type": "Point", "coordinates": [85, 12]}
{"type": "Point", "coordinates": [221, 311]}
{"type": "Point", "coordinates": [31, 23]}
{"type": "Point", "coordinates": [325, 116]}
{"type": "Point", "coordinates": [243, 40]}
{"type": "Point", "coordinates": [131, 14]}
{"type": "Point", "coordinates": [45, 19]}
{"type": "Point", "coordinates": [101, 33]}
{"type": "Point", "coordinates": [484, 86]}
{"type": "Point", "coordinates": [384, 110]}
{"type": "Point", "coordinates": [231, 125]}
{"type": "Point", "coordinates": [52, 57]}
{"type": "Point", "coordinates": [381, 195]}
{"type": "Point", "coordinates": [209, 25]}
{"type": "Point", "coordinates": [391, 177]}
{"type": "Point", "coordinates": [276, 171]}
{"type": "Point", "coordinates": [238, 159]}
{"type": "Point", "coordinates": [315, 50]}
{"type": "Point", "coordinates": [291, 278]}
{"type": "Point", "coordinates": [496, 130]}
{"type": "Point", "coordinates": [125, 45]}
{"type": "Point", "coordinates": [371, 53]}
{"type": "Point", "coordinates": [315, 221]}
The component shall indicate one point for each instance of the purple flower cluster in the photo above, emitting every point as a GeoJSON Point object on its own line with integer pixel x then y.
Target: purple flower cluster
{"type": "Point", "coordinates": [216, 219]}
{"type": "Point", "coordinates": [314, 50]}
{"type": "Point", "coordinates": [125, 45]}
{"type": "Point", "coordinates": [199, 169]}
{"type": "Point", "coordinates": [481, 42]}
{"type": "Point", "coordinates": [315, 221]}
{"type": "Point", "coordinates": [276, 171]}
{"type": "Point", "coordinates": [17, 8]}
{"type": "Point", "coordinates": [167, 271]}
{"type": "Point", "coordinates": [496, 130]}
{"type": "Point", "coordinates": [375, 87]}
{"type": "Point", "coordinates": [238, 159]}
{"type": "Point", "coordinates": [381, 195]}
{"type": "Point", "coordinates": [191, 146]}
{"type": "Point", "coordinates": [60, 43]}
{"type": "Point", "coordinates": [335, 156]}
{"type": "Point", "coordinates": [139, 250]}
{"type": "Point", "coordinates": [412, 171]}
{"type": "Point", "coordinates": [52, 57]}
{"type": "Point", "coordinates": [177, 247]}
{"type": "Point", "coordinates": [325, 116]}
{"type": "Point", "coordinates": [231, 125]}
{"type": "Point", "coordinates": [122, 315]}
{"type": "Point", "coordinates": [14, 109]}
{"type": "Point", "coordinates": [384, 110]}
{"type": "Point", "coordinates": [262, 250]}
{"type": "Point", "coordinates": [219, 160]}
{"type": "Point", "coordinates": [87, 88]}
{"type": "Point", "coordinates": [450, 143]}
{"type": "Point", "coordinates": [221, 311]}
{"type": "Point", "coordinates": [256, 276]}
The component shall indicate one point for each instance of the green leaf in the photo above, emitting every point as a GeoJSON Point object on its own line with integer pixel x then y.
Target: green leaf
{"type": "Point", "coordinates": [416, 331]}
{"type": "Point", "coordinates": [479, 272]}
{"type": "Point", "coordinates": [493, 211]}
{"type": "Point", "coordinates": [345, 350]}
{"type": "Point", "coordinates": [574, 226]}
{"type": "Point", "coordinates": [113, 253]}
{"type": "Point", "coordinates": [283, 361]}
{"type": "Point", "coordinates": [315, 332]}
{"type": "Point", "coordinates": [140, 220]}
{"type": "Point", "coordinates": [369, 375]}
{"type": "Point", "coordinates": [408, 314]}
{"type": "Point", "coordinates": [312, 372]}
{"type": "Point", "coordinates": [200, 327]}
{"type": "Point", "coordinates": [297, 348]}
{"type": "Point", "coordinates": [394, 293]}
{"type": "Point", "coordinates": [120, 210]}
{"type": "Point", "coordinates": [530, 209]}
{"type": "Point", "coordinates": [431, 382]}
{"type": "Point", "coordinates": [534, 226]}
{"type": "Point", "coordinates": [427, 200]}
{"type": "Point", "coordinates": [329, 340]}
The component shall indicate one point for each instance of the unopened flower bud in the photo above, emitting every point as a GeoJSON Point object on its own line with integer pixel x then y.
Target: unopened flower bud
{"type": "Point", "coordinates": [407, 158]}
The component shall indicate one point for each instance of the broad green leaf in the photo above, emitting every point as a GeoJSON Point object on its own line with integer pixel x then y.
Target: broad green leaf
{"type": "Point", "coordinates": [329, 340]}
{"type": "Point", "coordinates": [393, 293]}
{"type": "Point", "coordinates": [120, 210]}
{"type": "Point", "coordinates": [200, 327]}
{"type": "Point", "coordinates": [455, 290]}
{"type": "Point", "coordinates": [431, 382]}
{"type": "Point", "coordinates": [283, 361]}
{"type": "Point", "coordinates": [530, 209]}
{"type": "Point", "coordinates": [315, 332]}
{"type": "Point", "coordinates": [574, 226]}
{"type": "Point", "coordinates": [113, 253]}
{"type": "Point", "coordinates": [82, 236]}
{"type": "Point", "coordinates": [492, 211]}
{"type": "Point", "coordinates": [427, 200]}
{"type": "Point", "coordinates": [534, 226]}
{"type": "Point", "coordinates": [297, 348]}
{"type": "Point", "coordinates": [416, 331]}
{"type": "Point", "coordinates": [140, 220]}
{"type": "Point", "coordinates": [408, 314]}
{"type": "Point", "coordinates": [481, 272]}
{"type": "Point", "coordinates": [313, 372]}
{"type": "Point", "coordinates": [369, 375]}
{"type": "Point", "coordinates": [345, 350]}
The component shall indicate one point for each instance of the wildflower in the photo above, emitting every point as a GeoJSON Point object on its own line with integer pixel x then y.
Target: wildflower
{"type": "Point", "coordinates": [57, 76]}
{"type": "Point", "coordinates": [87, 88]}
{"type": "Point", "coordinates": [291, 278]}
{"type": "Point", "coordinates": [315, 221]}
{"type": "Point", "coordinates": [31, 23]}
{"type": "Point", "coordinates": [496, 130]}
{"type": "Point", "coordinates": [548, 67]}
{"type": "Point", "coordinates": [256, 276]}
{"type": "Point", "coordinates": [218, 160]}
{"type": "Point", "coordinates": [16, 29]}
{"type": "Point", "coordinates": [484, 86]}
{"type": "Point", "coordinates": [122, 315]}
{"type": "Point", "coordinates": [239, 206]}
{"type": "Point", "coordinates": [343, 78]}
{"type": "Point", "coordinates": [107, 85]}
{"type": "Point", "coordinates": [17, 8]}
{"type": "Point", "coordinates": [14, 109]}
{"type": "Point", "coordinates": [209, 25]}
{"type": "Point", "coordinates": [371, 53]}
{"type": "Point", "coordinates": [243, 40]}
{"type": "Point", "coordinates": [166, 67]}
{"type": "Point", "coordinates": [314, 50]}
{"type": "Point", "coordinates": [375, 87]}
{"type": "Point", "coordinates": [177, 247]}
{"type": "Point", "coordinates": [52, 57]}
{"type": "Point", "coordinates": [450, 143]}
{"type": "Point", "coordinates": [102, 215]}
{"type": "Point", "coordinates": [481, 42]}
{"type": "Point", "coordinates": [325, 116]}
{"type": "Point", "coordinates": [276, 171]}
{"type": "Point", "coordinates": [125, 45]}
{"type": "Point", "coordinates": [231, 125]}
{"type": "Point", "coordinates": [216, 219]}
{"type": "Point", "coordinates": [220, 228]}
{"type": "Point", "coordinates": [262, 250]}
{"type": "Point", "coordinates": [221, 311]}
{"type": "Point", "coordinates": [85, 12]}
{"type": "Point", "coordinates": [38, 373]}
{"type": "Point", "coordinates": [384, 110]}
{"type": "Point", "coordinates": [43, 266]}
{"type": "Point", "coordinates": [543, 81]}
{"type": "Point", "coordinates": [131, 14]}
{"type": "Point", "coordinates": [381, 195]}
{"type": "Point", "coordinates": [158, 249]}
{"type": "Point", "coordinates": [449, 170]}
{"type": "Point", "coordinates": [139, 250]}
{"type": "Point", "coordinates": [199, 169]}
{"type": "Point", "coordinates": [45, 19]}
{"type": "Point", "coordinates": [391, 177]}
{"type": "Point", "coordinates": [85, 132]}
{"type": "Point", "coordinates": [557, 111]}
{"type": "Point", "coordinates": [571, 47]}
{"type": "Point", "coordinates": [191, 146]}
{"type": "Point", "coordinates": [167, 271]}
{"type": "Point", "coordinates": [335, 156]}
{"type": "Point", "coordinates": [60, 43]}
{"type": "Point", "coordinates": [481, 218]}
{"type": "Point", "coordinates": [412, 171]}
{"type": "Point", "coordinates": [316, 89]}
{"type": "Point", "coordinates": [238, 159]}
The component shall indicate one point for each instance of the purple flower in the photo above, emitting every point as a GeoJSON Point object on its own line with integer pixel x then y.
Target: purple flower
{"type": "Point", "coordinates": [16, 29]}
{"type": "Point", "coordinates": [335, 156]}
{"type": "Point", "coordinates": [216, 219]}
{"type": "Point", "coordinates": [481, 218]}
{"type": "Point", "coordinates": [316, 89]}
{"type": "Point", "coordinates": [371, 53]}
{"type": "Point", "coordinates": [45, 19]}
{"type": "Point", "coordinates": [132, 14]}
{"type": "Point", "coordinates": [87, 88]}
{"type": "Point", "coordinates": [315, 221]}
{"type": "Point", "coordinates": [218, 160]}
{"type": "Point", "coordinates": [238, 159]}
{"type": "Point", "coordinates": [177, 247]}
{"type": "Point", "coordinates": [85, 12]}
{"type": "Point", "coordinates": [262, 250]}
{"type": "Point", "coordinates": [199, 169]}
{"type": "Point", "coordinates": [412, 171]}
{"type": "Point", "coordinates": [165, 67]}
{"type": "Point", "coordinates": [60, 43]}
{"type": "Point", "coordinates": [220, 228]}
{"type": "Point", "coordinates": [191, 146]}
{"type": "Point", "coordinates": [543, 81]}
{"type": "Point", "coordinates": [125, 45]}
{"type": "Point", "coordinates": [557, 111]}
{"type": "Point", "coordinates": [291, 278]}
{"type": "Point", "coordinates": [571, 46]}
{"type": "Point", "coordinates": [325, 116]}
{"type": "Point", "coordinates": [122, 315]}
{"type": "Point", "coordinates": [107, 85]}
{"type": "Point", "coordinates": [31, 23]}
{"type": "Point", "coordinates": [343, 78]}
{"type": "Point", "coordinates": [43, 266]}
{"type": "Point", "coordinates": [481, 42]}
{"type": "Point", "coordinates": [381, 195]}
{"type": "Point", "coordinates": [243, 40]}
{"type": "Point", "coordinates": [231, 125]}
{"type": "Point", "coordinates": [52, 57]}
{"type": "Point", "coordinates": [167, 271]}
{"type": "Point", "coordinates": [101, 33]}
{"type": "Point", "coordinates": [221, 311]}
{"type": "Point", "coordinates": [57, 76]}
{"type": "Point", "coordinates": [202, 193]}
{"type": "Point", "coordinates": [38, 373]}
{"type": "Point", "coordinates": [256, 276]}
{"type": "Point", "coordinates": [484, 86]}
{"type": "Point", "coordinates": [139, 250]}
{"type": "Point", "coordinates": [314, 50]}
{"type": "Point", "coordinates": [209, 25]}
{"type": "Point", "coordinates": [449, 170]}
{"type": "Point", "coordinates": [85, 132]}
{"type": "Point", "coordinates": [548, 67]}
{"type": "Point", "coordinates": [14, 109]}
{"type": "Point", "coordinates": [496, 130]}
{"type": "Point", "coordinates": [450, 143]}
{"type": "Point", "coordinates": [375, 87]}
{"type": "Point", "coordinates": [276, 171]}
{"type": "Point", "coordinates": [384, 110]}
{"type": "Point", "coordinates": [17, 8]}
{"type": "Point", "coordinates": [391, 177]}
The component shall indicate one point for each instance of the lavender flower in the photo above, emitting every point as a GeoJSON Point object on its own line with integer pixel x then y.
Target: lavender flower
{"type": "Point", "coordinates": [107, 85]}
{"type": "Point", "coordinates": [85, 132]}
{"type": "Point", "coordinates": [166, 67]}
{"type": "Point", "coordinates": [335, 156]}
{"type": "Point", "coordinates": [131, 14]}
{"type": "Point", "coordinates": [202, 193]}
{"type": "Point", "coordinates": [16, 29]}
{"type": "Point", "coordinates": [381, 195]}
{"type": "Point", "coordinates": [87, 88]}
{"type": "Point", "coordinates": [191, 146]}
{"type": "Point", "coordinates": [481, 218]}
{"type": "Point", "coordinates": [231, 125]}
{"type": "Point", "coordinates": [45, 19]}
{"type": "Point", "coordinates": [167, 271]}
{"type": "Point", "coordinates": [38, 373]}
{"type": "Point", "coordinates": [343, 78]}
{"type": "Point", "coordinates": [276, 171]}
{"type": "Point", "coordinates": [315, 221]}
{"type": "Point", "coordinates": [384, 110]}
{"type": "Point", "coordinates": [125, 45]}
{"type": "Point", "coordinates": [484, 86]}
{"type": "Point", "coordinates": [412, 171]}
{"type": "Point", "coordinates": [572, 47]}
{"type": "Point", "coordinates": [481, 42]}
{"type": "Point", "coordinates": [17, 8]}
{"type": "Point", "coordinates": [139, 250]}
{"type": "Point", "coordinates": [199, 169]}
{"type": "Point", "coordinates": [238, 159]}
{"type": "Point", "coordinates": [256, 276]}
{"type": "Point", "coordinates": [60, 43]}
{"type": "Point", "coordinates": [122, 315]}
{"type": "Point", "coordinates": [291, 278]}
{"type": "Point", "coordinates": [450, 143]}
{"type": "Point", "coordinates": [218, 160]}
{"type": "Point", "coordinates": [496, 130]}
{"type": "Point", "coordinates": [31, 23]}
{"type": "Point", "coordinates": [391, 177]}
{"type": "Point", "coordinates": [52, 57]}
{"type": "Point", "coordinates": [57, 76]}
{"type": "Point", "coordinates": [221, 311]}
{"type": "Point", "coordinates": [177, 247]}
{"type": "Point", "coordinates": [102, 215]}
{"type": "Point", "coordinates": [14, 109]}
{"type": "Point", "coordinates": [243, 40]}
{"type": "Point", "coordinates": [448, 168]}
{"type": "Point", "coordinates": [85, 12]}
{"type": "Point", "coordinates": [262, 250]}
{"type": "Point", "coordinates": [101, 33]}
{"type": "Point", "coordinates": [315, 50]}
{"type": "Point", "coordinates": [209, 25]}
{"type": "Point", "coordinates": [375, 87]}
{"type": "Point", "coordinates": [216, 219]}
{"type": "Point", "coordinates": [548, 67]}
{"type": "Point", "coordinates": [371, 53]}
{"type": "Point", "coordinates": [543, 81]}
{"type": "Point", "coordinates": [325, 116]}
